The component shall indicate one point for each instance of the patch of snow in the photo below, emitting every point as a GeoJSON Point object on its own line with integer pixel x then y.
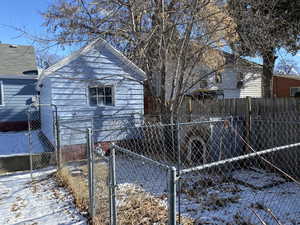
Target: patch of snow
{"type": "Point", "coordinates": [257, 178]}
{"type": "Point", "coordinates": [39, 202]}
{"type": "Point", "coordinates": [211, 198]}
{"type": "Point", "coordinates": [229, 202]}
{"type": "Point", "coordinates": [214, 199]}
{"type": "Point", "coordinates": [147, 176]}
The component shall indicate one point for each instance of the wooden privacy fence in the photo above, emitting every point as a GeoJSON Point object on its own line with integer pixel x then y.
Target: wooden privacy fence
{"type": "Point", "coordinates": [240, 106]}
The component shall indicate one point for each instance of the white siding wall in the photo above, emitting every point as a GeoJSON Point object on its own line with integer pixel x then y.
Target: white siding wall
{"type": "Point", "coordinates": [47, 111]}
{"type": "Point", "coordinates": [70, 93]}
{"type": "Point", "coordinates": [252, 86]}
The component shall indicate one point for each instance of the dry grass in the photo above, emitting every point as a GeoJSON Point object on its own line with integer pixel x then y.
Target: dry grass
{"type": "Point", "coordinates": [136, 207]}
{"type": "Point", "coordinates": [76, 185]}
{"type": "Point", "coordinates": [144, 209]}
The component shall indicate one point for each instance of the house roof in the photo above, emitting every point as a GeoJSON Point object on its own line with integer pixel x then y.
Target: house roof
{"type": "Point", "coordinates": [18, 77]}
{"type": "Point", "coordinates": [99, 42]}
{"type": "Point", "coordinates": [17, 59]}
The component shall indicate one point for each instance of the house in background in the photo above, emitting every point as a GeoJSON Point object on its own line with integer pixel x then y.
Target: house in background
{"type": "Point", "coordinates": [286, 86]}
{"type": "Point", "coordinates": [18, 76]}
{"type": "Point", "coordinates": [237, 79]}
{"type": "Point", "coordinates": [96, 87]}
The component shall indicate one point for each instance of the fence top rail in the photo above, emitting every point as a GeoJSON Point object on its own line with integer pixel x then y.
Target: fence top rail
{"type": "Point", "coordinates": [124, 150]}
{"type": "Point", "coordinates": [161, 125]}
{"type": "Point", "coordinates": [238, 158]}
{"type": "Point", "coordinates": [72, 128]}
{"type": "Point", "coordinates": [276, 121]}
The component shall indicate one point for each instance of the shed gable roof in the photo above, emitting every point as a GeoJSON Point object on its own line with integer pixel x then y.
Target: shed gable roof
{"type": "Point", "coordinates": [138, 74]}
{"type": "Point", "coordinates": [16, 59]}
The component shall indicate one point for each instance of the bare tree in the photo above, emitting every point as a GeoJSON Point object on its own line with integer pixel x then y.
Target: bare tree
{"type": "Point", "coordinates": [287, 66]}
{"type": "Point", "coordinates": [263, 28]}
{"type": "Point", "coordinates": [46, 59]}
{"type": "Point", "coordinates": [167, 39]}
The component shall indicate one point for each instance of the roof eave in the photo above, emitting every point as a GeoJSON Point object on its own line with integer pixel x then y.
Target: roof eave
{"type": "Point", "coordinates": [19, 77]}
{"type": "Point", "coordinates": [141, 74]}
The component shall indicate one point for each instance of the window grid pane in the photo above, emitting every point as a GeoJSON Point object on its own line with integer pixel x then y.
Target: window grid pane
{"type": "Point", "coordinates": [108, 100]}
{"type": "Point", "coordinates": [101, 96]}
{"type": "Point", "coordinates": [100, 91]}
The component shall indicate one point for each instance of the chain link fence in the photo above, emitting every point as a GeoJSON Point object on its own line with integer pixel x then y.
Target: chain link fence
{"type": "Point", "coordinates": [74, 169]}
{"type": "Point", "coordinates": [221, 170]}
{"type": "Point", "coordinates": [142, 189]}
{"type": "Point", "coordinates": [257, 185]}
{"type": "Point", "coordinates": [101, 193]}
{"type": "Point", "coordinates": [41, 138]}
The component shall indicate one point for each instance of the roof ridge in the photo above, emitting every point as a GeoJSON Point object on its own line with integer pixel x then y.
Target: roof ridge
{"type": "Point", "coordinates": [68, 58]}
{"type": "Point", "coordinates": [6, 44]}
{"type": "Point", "coordinates": [85, 49]}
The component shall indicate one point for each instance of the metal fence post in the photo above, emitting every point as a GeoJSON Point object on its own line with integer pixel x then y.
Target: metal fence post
{"type": "Point", "coordinates": [248, 123]}
{"type": "Point", "coordinates": [58, 149]}
{"type": "Point", "coordinates": [91, 183]}
{"type": "Point", "coordinates": [172, 196]}
{"type": "Point", "coordinates": [112, 186]}
{"type": "Point", "coordinates": [30, 143]}
{"type": "Point", "coordinates": [179, 168]}
{"type": "Point", "coordinates": [178, 148]}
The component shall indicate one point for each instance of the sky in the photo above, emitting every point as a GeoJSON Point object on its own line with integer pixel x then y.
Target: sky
{"type": "Point", "coordinates": [25, 14]}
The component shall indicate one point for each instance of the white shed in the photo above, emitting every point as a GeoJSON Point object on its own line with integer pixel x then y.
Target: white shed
{"type": "Point", "coordinates": [95, 87]}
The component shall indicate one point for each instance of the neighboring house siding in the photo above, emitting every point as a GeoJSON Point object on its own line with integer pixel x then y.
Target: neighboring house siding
{"type": "Point", "coordinates": [229, 79]}
{"type": "Point", "coordinates": [69, 91]}
{"type": "Point", "coordinates": [18, 95]}
{"type": "Point", "coordinates": [252, 86]}
{"type": "Point", "coordinates": [282, 85]}
{"type": "Point", "coordinates": [47, 111]}
{"type": "Point", "coordinates": [234, 93]}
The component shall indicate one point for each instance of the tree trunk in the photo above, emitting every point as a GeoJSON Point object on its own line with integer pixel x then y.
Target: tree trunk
{"type": "Point", "coordinates": [268, 68]}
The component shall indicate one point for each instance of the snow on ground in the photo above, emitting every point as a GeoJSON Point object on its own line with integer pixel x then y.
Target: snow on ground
{"type": "Point", "coordinates": [40, 202]}
{"type": "Point", "coordinates": [236, 198]}
{"type": "Point", "coordinates": [148, 176]}
{"type": "Point", "coordinates": [231, 198]}
{"type": "Point", "coordinates": [17, 143]}
{"type": "Point", "coordinates": [230, 206]}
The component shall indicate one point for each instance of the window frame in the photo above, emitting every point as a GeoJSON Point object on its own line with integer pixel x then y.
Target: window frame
{"type": "Point", "coordinates": [291, 90]}
{"type": "Point", "coordinates": [1, 93]}
{"type": "Point", "coordinates": [101, 86]}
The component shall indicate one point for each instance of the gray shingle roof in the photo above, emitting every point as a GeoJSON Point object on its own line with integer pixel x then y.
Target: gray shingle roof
{"type": "Point", "coordinates": [16, 59]}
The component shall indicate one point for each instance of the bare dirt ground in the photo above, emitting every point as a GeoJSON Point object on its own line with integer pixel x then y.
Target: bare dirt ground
{"type": "Point", "coordinates": [41, 202]}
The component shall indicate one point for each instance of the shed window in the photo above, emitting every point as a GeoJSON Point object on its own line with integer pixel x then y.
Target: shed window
{"type": "Point", "coordinates": [101, 95]}
{"type": "Point", "coordinates": [1, 93]}
{"type": "Point", "coordinates": [295, 91]}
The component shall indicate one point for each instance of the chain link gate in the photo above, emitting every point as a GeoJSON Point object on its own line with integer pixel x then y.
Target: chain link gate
{"type": "Point", "coordinates": [43, 138]}
{"type": "Point", "coordinates": [115, 192]}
